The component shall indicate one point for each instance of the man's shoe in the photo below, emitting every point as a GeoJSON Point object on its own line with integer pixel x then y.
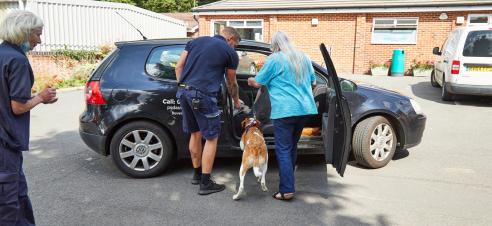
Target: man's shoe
{"type": "Point", "coordinates": [211, 187]}
{"type": "Point", "coordinates": [196, 179]}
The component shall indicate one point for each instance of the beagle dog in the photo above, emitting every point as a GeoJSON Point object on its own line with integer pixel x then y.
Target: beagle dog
{"type": "Point", "coordinates": [255, 154]}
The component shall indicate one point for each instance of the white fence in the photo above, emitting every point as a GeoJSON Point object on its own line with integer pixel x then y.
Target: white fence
{"type": "Point", "coordinates": [89, 24]}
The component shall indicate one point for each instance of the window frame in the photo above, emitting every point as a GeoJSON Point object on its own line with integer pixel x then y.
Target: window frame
{"type": "Point", "coordinates": [489, 18]}
{"type": "Point", "coordinates": [150, 55]}
{"type": "Point", "coordinates": [395, 25]}
{"type": "Point", "coordinates": [212, 25]}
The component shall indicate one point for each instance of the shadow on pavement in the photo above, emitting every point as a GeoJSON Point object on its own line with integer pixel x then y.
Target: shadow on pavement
{"type": "Point", "coordinates": [424, 90]}
{"type": "Point", "coordinates": [319, 196]}
{"type": "Point", "coordinates": [400, 154]}
{"type": "Point", "coordinates": [82, 183]}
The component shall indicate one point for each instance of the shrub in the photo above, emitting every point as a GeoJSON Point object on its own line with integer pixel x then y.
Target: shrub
{"type": "Point", "coordinates": [383, 64]}
{"type": "Point", "coordinates": [81, 55]}
{"type": "Point", "coordinates": [79, 77]}
{"type": "Point", "coordinates": [422, 65]}
{"type": "Point", "coordinates": [82, 72]}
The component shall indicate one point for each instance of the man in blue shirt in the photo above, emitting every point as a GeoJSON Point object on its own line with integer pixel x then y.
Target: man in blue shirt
{"type": "Point", "coordinates": [20, 32]}
{"type": "Point", "coordinates": [199, 71]}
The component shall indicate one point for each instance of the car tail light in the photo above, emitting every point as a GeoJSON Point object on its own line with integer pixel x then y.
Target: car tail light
{"type": "Point", "coordinates": [455, 67]}
{"type": "Point", "coordinates": [93, 93]}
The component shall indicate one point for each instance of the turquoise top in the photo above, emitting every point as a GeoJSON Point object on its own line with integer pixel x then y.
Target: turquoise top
{"type": "Point", "coordinates": [287, 97]}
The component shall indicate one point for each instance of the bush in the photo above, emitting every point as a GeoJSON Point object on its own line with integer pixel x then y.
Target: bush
{"type": "Point", "coordinates": [422, 65]}
{"type": "Point", "coordinates": [78, 78]}
{"type": "Point", "coordinates": [81, 63]}
{"type": "Point", "coordinates": [76, 54]}
{"type": "Point", "coordinates": [383, 64]}
{"type": "Point", "coordinates": [82, 72]}
{"type": "Point", "coordinates": [81, 55]}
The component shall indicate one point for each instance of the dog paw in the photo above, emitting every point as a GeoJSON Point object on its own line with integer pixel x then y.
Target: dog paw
{"type": "Point", "coordinates": [236, 197]}
{"type": "Point", "coordinates": [264, 188]}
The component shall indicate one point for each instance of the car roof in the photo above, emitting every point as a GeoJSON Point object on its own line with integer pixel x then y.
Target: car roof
{"type": "Point", "coordinates": [173, 41]}
{"type": "Point", "coordinates": [182, 41]}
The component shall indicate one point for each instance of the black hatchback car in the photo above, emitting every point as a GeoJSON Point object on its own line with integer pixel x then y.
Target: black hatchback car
{"type": "Point", "coordinates": [133, 115]}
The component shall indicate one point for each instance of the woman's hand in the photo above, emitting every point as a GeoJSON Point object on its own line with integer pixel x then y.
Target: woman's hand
{"type": "Point", "coordinates": [252, 82]}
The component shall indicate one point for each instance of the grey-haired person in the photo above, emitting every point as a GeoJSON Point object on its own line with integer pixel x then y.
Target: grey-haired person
{"type": "Point", "coordinates": [289, 76]}
{"type": "Point", "coordinates": [20, 32]}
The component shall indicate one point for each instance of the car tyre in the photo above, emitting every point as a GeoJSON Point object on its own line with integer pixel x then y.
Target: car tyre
{"type": "Point", "coordinates": [445, 94]}
{"type": "Point", "coordinates": [141, 149]}
{"type": "Point", "coordinates": [374, 142]}
{"type": "Point", "coordinates": [433, 79]}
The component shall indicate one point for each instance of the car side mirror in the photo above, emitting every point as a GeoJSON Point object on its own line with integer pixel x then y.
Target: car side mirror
{"type": "Point", "coordinates": [348, 86]}
{"type": "Point", "coordinates": [436, 51]}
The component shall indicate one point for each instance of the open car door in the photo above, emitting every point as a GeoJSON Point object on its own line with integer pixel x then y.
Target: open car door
{"type": "Point", "coordinates": [336, 120]}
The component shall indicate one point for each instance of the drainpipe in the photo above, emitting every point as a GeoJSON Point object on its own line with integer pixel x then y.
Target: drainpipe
{"type": "Point", "coordinates": [197, 21]}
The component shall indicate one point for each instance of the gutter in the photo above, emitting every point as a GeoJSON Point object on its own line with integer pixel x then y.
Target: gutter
{"type": "Point", "coordinates": [379, 9]}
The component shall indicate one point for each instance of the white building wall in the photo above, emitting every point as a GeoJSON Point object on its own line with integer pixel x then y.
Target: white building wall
{"type": "Point", "coordinates": [6, 6]}
{"type": "Point", "coordinates": [85, 24]}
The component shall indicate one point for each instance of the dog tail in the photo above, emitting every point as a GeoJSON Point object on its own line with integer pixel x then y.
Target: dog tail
{"type": "Point", "coordinates": [257, 171]}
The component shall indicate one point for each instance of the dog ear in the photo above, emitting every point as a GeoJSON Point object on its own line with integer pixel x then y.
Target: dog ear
{"type": "Point", "coordinates": [243, 123]}
{"type": "Point", "coordinates": [258, 123]}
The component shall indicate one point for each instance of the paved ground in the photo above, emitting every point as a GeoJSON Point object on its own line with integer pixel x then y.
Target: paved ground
{"type": "Point", "coordinates": [446, 180]}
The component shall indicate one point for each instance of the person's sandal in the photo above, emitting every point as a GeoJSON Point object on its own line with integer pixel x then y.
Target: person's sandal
{"type": "Point", "coordinates": [283, 196]}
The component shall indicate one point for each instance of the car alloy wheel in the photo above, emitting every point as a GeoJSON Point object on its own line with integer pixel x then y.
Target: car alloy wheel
{"type": "Point", "coordinates": [140, 150]}
{"type": "Point", "coordinates": [374, 142]}
{"type": "Point", "coordinates": [381, 142]}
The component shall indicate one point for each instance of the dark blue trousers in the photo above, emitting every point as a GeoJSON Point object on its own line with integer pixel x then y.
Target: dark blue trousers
{"type": "Point", "coordinates": [287, 132]}
{"type": "Point", "coordinates": [15, 206]}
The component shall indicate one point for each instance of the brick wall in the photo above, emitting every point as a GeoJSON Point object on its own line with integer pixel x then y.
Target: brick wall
{"type": "Point", "coordinates": [45, 65]}
{"type": "Point", "coordinates": [349, 35]}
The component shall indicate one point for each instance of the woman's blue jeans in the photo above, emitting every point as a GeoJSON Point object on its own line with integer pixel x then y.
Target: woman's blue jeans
{"type": "Point", "coordinates": [287, 132]}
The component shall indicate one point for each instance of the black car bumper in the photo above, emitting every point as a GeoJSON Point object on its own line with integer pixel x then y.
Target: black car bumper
{"type": "Point", "coordinates": [415, 131]}
{"type": "Point", "coordinates": [94, 141]}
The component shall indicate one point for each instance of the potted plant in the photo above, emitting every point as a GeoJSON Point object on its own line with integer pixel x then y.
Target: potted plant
{"type": "Point", "coordinates": [421, 68]}
{"type": "Point", "coordinates": [380, 68]}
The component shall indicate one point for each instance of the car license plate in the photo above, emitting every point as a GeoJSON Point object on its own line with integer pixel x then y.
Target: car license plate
{"type": "Point", "coordinates": [479, 68]}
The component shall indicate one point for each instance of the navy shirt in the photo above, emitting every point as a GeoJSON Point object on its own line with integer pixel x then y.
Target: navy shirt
{"type": "Point", "coordinates": [207, 60]}
{"type": "Point", "coordinates": [16, 80]}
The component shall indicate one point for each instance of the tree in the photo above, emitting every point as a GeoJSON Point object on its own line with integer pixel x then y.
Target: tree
{"type": "Point", "coordinates": [164, 6]}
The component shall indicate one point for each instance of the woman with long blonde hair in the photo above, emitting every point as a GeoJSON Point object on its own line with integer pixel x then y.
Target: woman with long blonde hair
{"type": "Point", "coordinates": [289, 76]}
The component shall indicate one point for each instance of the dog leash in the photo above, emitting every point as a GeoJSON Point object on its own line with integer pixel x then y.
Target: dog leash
{"type": "Point", "coordinates": [256, 100]}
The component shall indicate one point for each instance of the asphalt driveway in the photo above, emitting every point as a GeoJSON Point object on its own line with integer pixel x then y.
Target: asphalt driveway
{"type": "Point", "coordinates": [446, 180]}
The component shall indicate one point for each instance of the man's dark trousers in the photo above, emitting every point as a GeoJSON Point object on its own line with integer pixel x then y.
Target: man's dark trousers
{"type": "Point", "coordinates": [15, 206]}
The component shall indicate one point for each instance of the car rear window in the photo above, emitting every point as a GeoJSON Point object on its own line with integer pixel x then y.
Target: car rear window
{"type": "Point", "coordinates": [162, 61]}
{"type": "Point", "coordinates": [478, 44]}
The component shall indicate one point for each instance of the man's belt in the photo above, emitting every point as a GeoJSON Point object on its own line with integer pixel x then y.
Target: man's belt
{"type": "Point", "coordinates": [187, 87]}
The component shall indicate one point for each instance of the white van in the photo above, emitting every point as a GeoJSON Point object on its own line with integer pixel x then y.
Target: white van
{"type": "Point", "coordinates": [464, 65]}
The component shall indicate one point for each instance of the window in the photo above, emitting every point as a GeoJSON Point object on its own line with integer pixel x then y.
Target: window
{"type": "Point", "coordinates": [162, 61]}
{"type": "Point", "coordinates": [250, 63]}
{"type": "Point", "coordinates": [479, 19]}
{"type": "Point", "coordinates": [248, 29]}
{"type": "Point", "coordinates": [394, 31]}
{"type": "Point", "coordinates": [478, 44]}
